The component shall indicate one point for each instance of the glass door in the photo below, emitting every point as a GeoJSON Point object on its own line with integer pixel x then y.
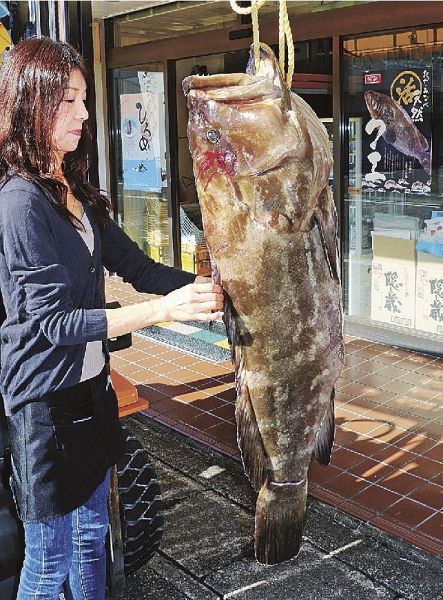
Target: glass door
{"type": "Point", "coordinates": [140, 174]}
{"type": "Point", "coordinates": [393, 201]}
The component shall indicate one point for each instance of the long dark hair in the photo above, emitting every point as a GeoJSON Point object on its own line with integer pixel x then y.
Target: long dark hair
{"type": "Point", "coordinates": [33, 81]}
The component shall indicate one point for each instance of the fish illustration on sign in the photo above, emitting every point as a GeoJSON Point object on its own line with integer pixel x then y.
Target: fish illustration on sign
{"type": "Point", "coordinates": [261, 161]}
{"type": "Point", "coordinates": [400, 131]}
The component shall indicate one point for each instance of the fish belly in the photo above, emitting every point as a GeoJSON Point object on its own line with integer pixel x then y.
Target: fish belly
{"type": "Point", "coordinates": [288, 314]}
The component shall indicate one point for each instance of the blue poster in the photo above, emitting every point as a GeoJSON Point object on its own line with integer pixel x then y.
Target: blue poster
{"type": "Point", "coordinates": [140, 144]}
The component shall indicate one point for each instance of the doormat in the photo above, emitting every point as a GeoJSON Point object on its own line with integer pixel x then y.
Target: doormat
{"type": "Point", "coordinates": [206, 341]}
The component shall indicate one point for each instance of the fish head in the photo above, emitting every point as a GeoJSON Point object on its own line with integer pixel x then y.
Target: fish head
{"type": "Point", "coordinates": [239, 124]}
{"type": "Point", "coordinates": [380, 106]}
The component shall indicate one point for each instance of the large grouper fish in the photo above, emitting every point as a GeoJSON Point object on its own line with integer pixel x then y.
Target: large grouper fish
{"type": "Point", "coordinates": [261, 161]}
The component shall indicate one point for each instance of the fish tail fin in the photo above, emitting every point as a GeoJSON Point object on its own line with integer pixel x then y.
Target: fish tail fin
{"type": "Point", "coordinates": [249, 439]}
{"type": "Point", "coordinates": [325, 435]}
{"type": "Point", "coordinates": [279, 518]}
{"type": "Point", "coordinates": [425, 161]}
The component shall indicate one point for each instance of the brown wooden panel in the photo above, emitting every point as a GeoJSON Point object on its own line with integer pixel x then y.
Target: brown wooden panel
{"type": "Point", "coordinates": [319, 77]}
{"type": "Point", "coordinates": [364, 18]}
{"type": "Point", "coordinates": [311, 85]}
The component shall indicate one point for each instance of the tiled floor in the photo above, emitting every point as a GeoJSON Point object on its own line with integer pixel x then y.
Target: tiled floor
{"type": "Point", "coordinates": [387, 464]}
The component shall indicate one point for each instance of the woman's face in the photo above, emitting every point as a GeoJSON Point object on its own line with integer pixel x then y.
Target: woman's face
{"type": "Point", "coordinates": [70, 116]}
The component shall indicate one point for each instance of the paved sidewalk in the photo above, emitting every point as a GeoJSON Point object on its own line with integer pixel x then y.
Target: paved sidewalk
{"type": "Point", "coordinates": [207, 550]}
{"type": "Point", "coordinates": [387, 463]}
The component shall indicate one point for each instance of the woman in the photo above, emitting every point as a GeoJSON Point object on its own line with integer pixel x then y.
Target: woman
{"type": "Point", "coordinates": [55, 238]}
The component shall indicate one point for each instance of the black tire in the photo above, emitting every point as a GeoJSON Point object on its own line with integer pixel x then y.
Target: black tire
{"type": "Point", "coordinates": [141, 511]}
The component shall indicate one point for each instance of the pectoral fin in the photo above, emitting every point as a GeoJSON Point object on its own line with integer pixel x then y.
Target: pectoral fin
{"type": "Point", "coordinates": [325, 217]}
{"type": "Point", "coordinates": [248, 435]}
{"type": "Point", "coordinates": [325, 435]}
{"type": "Point", "coordinates": [390, 135]}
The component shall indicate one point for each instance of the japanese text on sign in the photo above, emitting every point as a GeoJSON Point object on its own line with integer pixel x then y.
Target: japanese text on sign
{"type": "Point", "coordinates": [392, 301]}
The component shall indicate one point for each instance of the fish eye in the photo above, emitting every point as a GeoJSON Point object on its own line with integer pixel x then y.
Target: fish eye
{"type": "Point", "coordinates": [212, 136]}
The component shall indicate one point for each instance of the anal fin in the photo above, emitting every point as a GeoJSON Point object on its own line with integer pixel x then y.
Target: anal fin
{"type": "Point", "coordinates": [249, 439]}
{"type": "Point", "coordinates": [325, 435]}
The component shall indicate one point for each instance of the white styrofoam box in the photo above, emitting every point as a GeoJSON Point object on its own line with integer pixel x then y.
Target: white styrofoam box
{"type": "Point", "coordinates": [359, 284]}
{"type": "Point", "coordinates": [429, 294]}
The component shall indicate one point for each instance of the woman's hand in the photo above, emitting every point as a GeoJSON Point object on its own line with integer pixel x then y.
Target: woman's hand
{"type": "Point", "coordinates": [194, 302]}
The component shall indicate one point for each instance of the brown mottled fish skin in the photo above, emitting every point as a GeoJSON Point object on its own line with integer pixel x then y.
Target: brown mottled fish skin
{"type": "Point", "coordinates": [270, 225]}
{"type": "Point", "coordinates": [400, 130]}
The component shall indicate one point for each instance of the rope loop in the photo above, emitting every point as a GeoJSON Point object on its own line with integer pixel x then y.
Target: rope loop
{"type": "Point", "coordinates": [285, 39]}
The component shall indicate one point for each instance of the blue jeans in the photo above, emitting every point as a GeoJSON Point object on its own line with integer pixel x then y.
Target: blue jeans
{"type": "Point", "coordinates": [68, 552]}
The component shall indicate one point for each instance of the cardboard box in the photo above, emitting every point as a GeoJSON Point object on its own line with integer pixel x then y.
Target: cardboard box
{"type": "Point", "coordinates": [393, 281]}
{"type": "Point", "coordinates": [158, 253]}
{"type": "Point", "coordinates": [429, 294]}
{"type": "Point", "coordinates": [188, 262]}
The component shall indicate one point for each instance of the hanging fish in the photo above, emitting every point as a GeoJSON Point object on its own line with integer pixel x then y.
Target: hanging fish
{"type": "Point", "coordinates": [261, 162]}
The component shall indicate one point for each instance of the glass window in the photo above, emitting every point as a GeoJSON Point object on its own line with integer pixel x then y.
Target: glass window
{"type": "Point", "coordinates": [393, 209]}
{"type": "Point", "coordinates": [140, 172]}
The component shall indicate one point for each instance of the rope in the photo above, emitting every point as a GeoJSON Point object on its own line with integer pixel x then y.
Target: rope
{"type": "Point", "coordinates": [256, 34]}
{"type": "Point", "coordinates": [245, 11]}
{"type": "Point", "coordinates": [281, 39]}
{"type": "Point", "coordinates": [285, 39]}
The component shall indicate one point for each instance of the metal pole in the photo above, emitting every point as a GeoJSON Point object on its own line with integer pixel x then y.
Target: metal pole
{"type": "Point", "coordinates": [52, 19]}
{"type": "Point", "coordinates": [61, 13]}
{"type": "Point", "coordinates": [34, 16]}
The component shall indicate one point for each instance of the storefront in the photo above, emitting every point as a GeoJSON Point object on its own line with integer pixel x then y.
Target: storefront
{"type": "Point", "coordinates": [374, 77]}
{"type": "Point", "coordinates": [393, 190]}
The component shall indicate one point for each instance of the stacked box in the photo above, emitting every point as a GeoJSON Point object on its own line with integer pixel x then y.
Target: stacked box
{"type": "Point", "coordinates": [429, 294]}
{"type": "Point", "coordinates": [133, 215]}
{"type": "Point", "coordinates": [188, 262]}
{"type": "Point", "coordinates": [393, 281]}
{"type": "Point", "coordinates": [156, 221]}
{"type": "Point", "coordinates": [158, 253]}
{"type": "Point", "coordinates": [202, 260]}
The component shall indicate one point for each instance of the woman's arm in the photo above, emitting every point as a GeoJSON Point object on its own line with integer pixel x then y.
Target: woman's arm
{"type": "Point", "coordinates": [122, 256]}
{"type": "Point", "coordinates": [196, 302]}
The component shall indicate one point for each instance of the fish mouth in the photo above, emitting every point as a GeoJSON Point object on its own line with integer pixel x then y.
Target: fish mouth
{"type": "Point", "coordinates": [225, 163]}
{"type": "Point", "coordinates": [372, 102]}
{"type": "Point", "coordinates": [235, 87]}
{"type": "Point", "coordinates": [286, 161]}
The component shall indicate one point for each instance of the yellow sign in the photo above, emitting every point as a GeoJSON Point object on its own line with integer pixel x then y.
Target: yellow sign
{"type": "Point", "coordinates": [406, 87]}
{"type": "Point", "coordinates": [5, 41]}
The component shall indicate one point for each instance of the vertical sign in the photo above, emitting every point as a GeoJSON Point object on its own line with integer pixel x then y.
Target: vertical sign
{"type": "Point", "coordinates": [397, 134]}
{"type": "Point", "coordinates": [140, 134]}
